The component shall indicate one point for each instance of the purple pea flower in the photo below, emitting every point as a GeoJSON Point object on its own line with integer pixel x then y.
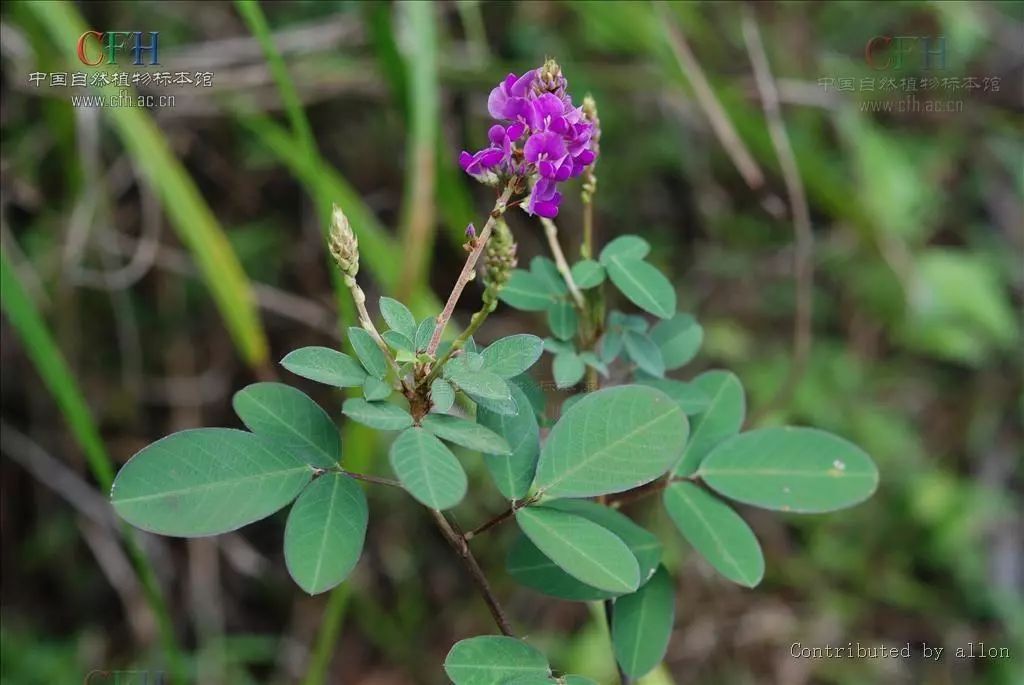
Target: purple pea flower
{"type": "Point", "coordinates": [541, 137]}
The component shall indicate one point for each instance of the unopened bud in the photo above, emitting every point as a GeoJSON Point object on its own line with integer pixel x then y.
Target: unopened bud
{"type": "Point", "coordinates": [499, 257]}
{"type": "Point", "coordinates": [550, 79]}
{"type": "Point", "coordinates": [590, 114]}
{"type": "Point", "coordinates": [343, 243]}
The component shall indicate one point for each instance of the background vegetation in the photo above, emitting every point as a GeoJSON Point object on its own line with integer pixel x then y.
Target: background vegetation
{"type": "Point", "coordinates": [154, 261]}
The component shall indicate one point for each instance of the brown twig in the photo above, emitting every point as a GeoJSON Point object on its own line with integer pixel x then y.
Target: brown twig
{"type": "Point", "coordinates": [655, 486]}
{"type": "Point", "coordinates": [468, 269]}
{"type": "Point", "coordinates": [804, 237]}
{"type": "Point", "coordinates": [502, 517]}
{"type": "Point", "coordinates": [371, 479]}
{"type": "Point", "coordinates": [458, 542]}
{"type": "Point", "coordinates": [722, 126]}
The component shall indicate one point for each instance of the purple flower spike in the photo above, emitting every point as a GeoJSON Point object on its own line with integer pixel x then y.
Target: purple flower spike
{"type": "Point", "coordinates": [541, 137]}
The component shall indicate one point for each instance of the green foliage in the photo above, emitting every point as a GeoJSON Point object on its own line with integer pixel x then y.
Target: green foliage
{"type": "Point", "coordinates": [642, 624]}
{"type": "Point", "coordinates": [324, 536]}
{"type": "Point", "coordinates": [645, 353]}
{"type": "Point", "coordinates": [723, 417]}
{"type": "Point", "coordinates": [379, 415]}
{"type": "Point", "coordinates": [291, 419]}
{"type": "Point", "coordinates": [324, 365]}
{"type": "Point", "coordinates": [679, 340]}
{"type": "Point", "coordinates": [490, 659]}
{"type": "Point", "coordinates": [428, 469]}
{"type": "Point", "coordinates": [370, 356]}
{"type": "Point", "coordinates": [587, 274]}
{"type": "Point", "coordinates": [206, 481]}
{"type": "Point", "coordinates": [512, 356]}
{"type": "Point", "coordinates": [466, 433]}
{"type": "Point", "coordinates": [583, 549]}
{"type": "Point", "coordinates": [398, 317]}
{"type": "Point", "coordinates": [791, 469]}
{"type": "Point", "coordinates": [612, 440]}
{"type": "Point", "coordinates": [513, 472]}
{"type": "Point", "coordinates": [562, 320]}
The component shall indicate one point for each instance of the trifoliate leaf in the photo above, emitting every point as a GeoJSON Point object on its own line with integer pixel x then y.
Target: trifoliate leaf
{"type": "Point", "coordinates": [324, 536]}
{"type": "Point", "coordinates": [645, 353]}
{"type": "Point", "coordinates": [379, 415]}
{"type": "Point", "coordinates": [642, 624]}
{"type": "Point", "coordinates": [206, 481]}
{"type": "Point", "coordinates": [562, 319]}
{"type": "Point", "coordinates": [398, 317]}
{"type": "Point", "coordinates": [791, 469]}
{"type": "Point", "coordinates": [679, 339]}
{"type": "Point", "coordinates": [644, 285]}
{"type": "Point", "coordinates": [625, 247]}
{"type": "Point", "coordinates": [427, 469]}
{"type": "Point", "coordinates": [612, 440]}
{"type": "Point", "coordinates": [324, 365]}
{"type": "Point", "coordinates": [292, 420]}
{"type": "Point", "coordinates": [587, 274]}
{"type": "Point", "coordinates": [722, 418]}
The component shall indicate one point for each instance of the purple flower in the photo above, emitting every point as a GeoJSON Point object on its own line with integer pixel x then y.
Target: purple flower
{"type": "Point", "coordinates": [541, 137]}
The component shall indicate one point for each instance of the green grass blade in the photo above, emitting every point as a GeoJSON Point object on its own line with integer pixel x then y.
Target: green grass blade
{"type": "Point", "coordinates": [49, 363]}
{"type": "Point", "coordinates": [189, 213]}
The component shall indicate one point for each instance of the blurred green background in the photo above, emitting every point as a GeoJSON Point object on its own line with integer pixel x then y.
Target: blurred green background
{"type": "Point", "coordinates": [155, 260]}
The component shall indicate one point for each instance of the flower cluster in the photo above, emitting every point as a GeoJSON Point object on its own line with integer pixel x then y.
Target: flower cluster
{"type": "Point", "coordinates": [542, 137]}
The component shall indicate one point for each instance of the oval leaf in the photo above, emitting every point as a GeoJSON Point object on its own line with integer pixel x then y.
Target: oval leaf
{"type": "Point", "coordinates": [690, 397]}
{"type": "Point", "coordinates": [722, 418]}
{"type": "Point", "coordinates": [625, 247]}
{"type": "Point", "coordinates": [611, 440]}
{"type": "Point", "coordinates": [325, 532]}
{"type": "Point", "coordinates": [717, 532]}
{"type": "Point", "coordinates": [568, 369]}
{"type": "Point", "coordinates": [490, 659]}
{"type": "Point", "coordinates": [206, 481]}
{"type": "Point", "coordinates": [679, 339]}
{"type": "Point", "coordinates": [562, 320]}
{"type": "Point", "coordinates": [642, 624]}
{"type": "Point", "coordinates": [291, 419]}
{"type": "Point", "coordinates": [526, 291]}
{"type": "Point", "coordinates": [644, 285]}
{"type": "Point", "coordinates": [423, 333]}
{"type": "Point", "coordinates": [644, 353]}
{"type": "Point", "coordinates": [583, 549]}
{"type": "Point", "coordinates": [398, 317]}
{"type": "Point", "coordinates": [511, 356]}
{"type": "Point", "coordinates": [324, 365]}
{"type": "Point", "coordinates": [513, 473]}
{"type": "Point", "coordinates": [466, 433]}
{"type": "Point", "coordinates": [547, 272]}
{"type": "Point", "coordinates": [380, 415]}
{"type": "Point", "coordinates": [479, 383]}
{"type": "Point", "coordinates": [587, 274]}
{"type": "Point", "coordinates": [441, 395]}
{"type": "Point", "coordinates": [374, 389]}
{"type": "Point", "coordinates": [791, 469]}
{"type": "Point", "coordinates": [370, 356]}
{"type": "Point", "coordinates": [428, 469]}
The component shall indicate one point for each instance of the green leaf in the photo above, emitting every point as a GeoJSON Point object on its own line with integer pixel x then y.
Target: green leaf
{"type": "Point", "coordinates": [627, 322]}
{"type": "Point", "coordinates": [526, 291]}
{"type": "Point", "coordinates": [398, 341]}
{"type": "Point", "coordinates": [568, 369]}
{"type": "Point", "coordinates": [642, 624]}
{"type": "Point", "coordinates": [370, 356]}
{"type": "Point", "coordinates": [583, 549]}
{"type": "Point", "coordinates": [587, 274]}
{"type": "Point", "coordinates": [679, 339]}
{"type": "Point", "coordinates": [611, 345]}
{"type": "Point", "coordinates": [611, 440]}
{"type": "Point", "coordinates": [562, 319]}
{"type": "Point", "coordinates": [547, 273]}
{"type": "Point", "coordinates": [491, 659]}
{"type": "Point", "coordinates": [325, 532]}
{"type": "Point", "coordinates": [533, 392]}
{"type": "Point", "coordinates": [442, 395]}
{"type": "Point", "coordinates": [573, 679]}
{"type": "Point", "coordinates": [428, 469]}
{"type": "Point", "coordinates": [398, 317]}
{"type": "Point", "coordinates": [644, 285]}
{"type": "Point", "coordinates": [645, 353]}
{"type": "Point", "coordinates": [423, 333]}
{"type": "Point", "coordinates": [530, 567]}
{"type": "Point", "coordinates": [206, 481]}
{"type": "Point", "coordinates": [791, 469]}
{"type": "Point", "coordinates": [375, 389]}
{"type": "Point", "coordinates": [292, 420]}
{"type": "Point", "coordinates": [592, 360]}
{"type": "Point", "coordinates": [466, 433]}
{"type": "Point", "coordinates": [380, 415]}
{"type": "Point", "coordinates": [513, 473]}
{"type": "Point", "coordinates": [511, 356]}
{"type": "Point", "coordinates": [559, 346]}
{"type": "Point", "coordinates": [690, 397]}
{"type": "Point", "coordinates": [505, 407]}
{"type": "Point", "coordinates": [625, 247]}
{"type": "Point", "coordinates": [478, 383]}
{"type": "Point", "coordinates": [722, 418]}
{"type": "Point", "coordinates": [717, 532]}
{"type": "Point", "coordinates": [324, 365]}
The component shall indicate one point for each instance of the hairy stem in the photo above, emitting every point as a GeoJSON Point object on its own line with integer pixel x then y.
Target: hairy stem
{"type": "Point", "coordinates": [359, 297]}
{"type": "Point", "coordinates": [474, 324]}
{"type": "Point", "coordinates": [461, 547]}
{"type": "Point", "coordinates": [468, 269]}
{"type": "Point", "coordinates": [551, 231]}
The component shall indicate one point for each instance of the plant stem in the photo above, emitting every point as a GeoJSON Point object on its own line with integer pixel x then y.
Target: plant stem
{"type": "Point", "coordinates": [551, 231]}
{"type": "Point", "coordinates": [502, 517]}
{"type": "Point", "coordinates": [359, 297]}
{"type": "Point", "coordinates": [468, 269]}
{"type": "Point", "coordinates": [371, 479]}
{"type": "Point", "coordinates": [330, 624]}
{"type": "Point", "coordinates": [461, 547]}
{"type": "Point", "coordinates": [474, 324]}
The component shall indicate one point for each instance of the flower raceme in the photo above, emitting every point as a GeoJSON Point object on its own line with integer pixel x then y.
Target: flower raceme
{"type": "Point", "coordinates": [542, 137]}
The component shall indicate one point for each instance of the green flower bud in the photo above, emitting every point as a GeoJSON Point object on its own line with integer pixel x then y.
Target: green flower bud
{"type": "Point", "coordinates": [499, 257]}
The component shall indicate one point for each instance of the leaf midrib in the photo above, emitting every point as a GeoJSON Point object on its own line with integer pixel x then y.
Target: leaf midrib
{"type": "Point", "coordinates": [216, 484]}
